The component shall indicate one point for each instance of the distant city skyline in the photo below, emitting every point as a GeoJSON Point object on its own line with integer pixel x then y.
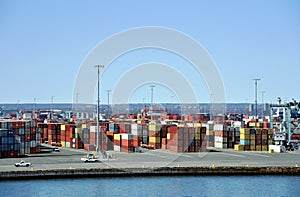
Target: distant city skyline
{"type": "Point", "coordinates": [43, 46]}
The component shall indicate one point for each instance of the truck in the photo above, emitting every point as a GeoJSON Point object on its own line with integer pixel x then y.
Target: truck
{"type": "Point", "coordinates": [22, 163]}
{"type": "Point", "coordinates": [90, 158]}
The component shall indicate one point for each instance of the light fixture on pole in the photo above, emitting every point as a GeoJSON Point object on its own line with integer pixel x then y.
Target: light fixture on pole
{"type": "Point", "coordinates": [98, 106]}
{"type": "Point", "coordinates": [255, 82]}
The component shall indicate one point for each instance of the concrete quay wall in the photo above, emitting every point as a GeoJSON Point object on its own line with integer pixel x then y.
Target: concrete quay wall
{"type": "Point", "coordinates": [164, 171]}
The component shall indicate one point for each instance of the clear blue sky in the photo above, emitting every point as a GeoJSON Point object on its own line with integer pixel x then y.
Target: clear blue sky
{"type": "Point", "coordinates": [43, 44]}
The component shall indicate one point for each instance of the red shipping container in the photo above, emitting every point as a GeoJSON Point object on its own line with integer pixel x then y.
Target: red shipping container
{"type": "Point", "coordinates": [117, 142]}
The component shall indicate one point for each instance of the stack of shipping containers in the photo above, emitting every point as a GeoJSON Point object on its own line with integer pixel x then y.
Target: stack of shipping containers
{"type": "Point", "coordinates": [185, 138]}
{"type": "Point", "coordinates": [254, 139]}
{"type": "Point", "coordinates": [19, 138]}
{"type": "Point", "coordinates": [155, 135]}
{"type": "Point", "coordinates": [209, 138]}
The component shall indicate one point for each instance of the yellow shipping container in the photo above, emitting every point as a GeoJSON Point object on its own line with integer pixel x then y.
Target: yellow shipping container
{"type": "Point", "coordinates": [209, 132]}
{"type": "Point", "coordinates": [197, 129]}
{"type": "Point", "coordinates": [197, 136]}
{"type": "Point", "coordinates": [244, 136]}
{"type": "Point", "coordinates": [154, 139]}
{"type": "Point", "coordinates": [117, 136]}
{"type": "Point", "coordinates": [270, 131]}
{"type": "Point", "coordinates": [264, 148]}
{"type": "Point", "coordinates": [258, 148]}
{"type": "Point", "coordinates": [245, 131]}
{"type": "Point", "coordinates": [78, 130]}
{"type": "Point", "coordinates": [63, 143]}
{"type": "Point", "coordinates": [63, 127]}
{"type": "Point", "coordinates": [168, 136]}
{"type": "Point", "coordinates": [252, 136]}
{"type": "Point", "coordinates": [197, 125]}
{"type": "Point", "coordinates": [258, 131]}
{"type": "Point", "coordinates": [252, 142]}
{"type": "Point", "coordinates": [238, 147]}
{"type": "Point", "coordinates": [154, 127]}
{"type": "Point", "coordinates": [270, 142]}
{"type": "Point", "coordinates": [264, 137]}
{"type": "Point", "coordinates": [252, 124]}
{"type": "Point", "coordinates": [252, 147]}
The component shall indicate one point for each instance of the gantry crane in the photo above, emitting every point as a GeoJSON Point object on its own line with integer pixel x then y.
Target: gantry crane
{"type": "Point", "coordinates": [285, 123]}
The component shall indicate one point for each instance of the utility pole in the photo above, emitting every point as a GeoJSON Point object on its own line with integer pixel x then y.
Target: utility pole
{"type": "Point", "coordinates": [262, 101]}
{"type": "Point", "coordinates": [98, 107]}
{"type": "Point", "coordinates": [108, 107]}
{"type": "Point", "coordinates": [152, 86]}
{"type": "Point", "coordinates": [52, 115]}
{"type": "Point", "coordinates": [255, 82]}
{"type": "Point", "coordinates": [34, 103]}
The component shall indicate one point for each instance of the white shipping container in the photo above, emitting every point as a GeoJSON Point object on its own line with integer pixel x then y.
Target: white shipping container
{"type": "Point", "coordinates": [18, 139]}
{"type": "Point", "coordinates": [136, 127]}
{"type": "Point", "coordinates": [21, 131]}
{"type": "Point", "coordinates": [218, 127]}
{"type": "Point", "coordinates": [220, 145]}
{"type": "Point", "coordinates": [126, 136]}
{"type": "Point", "coordinates": [117, 148]}
{"type": "Point", "coordinates": [93, 129]}
{"type": "Point", "coordinates": [134, 132]}
{"type": "Point", "coordinates": [32, 144]}
{"type": "Point", "coordinates": [220, 139]}
{"type": "Point", "coordinates": [189, 124]}
{"type": "Point", "coordinates": [208, 126]}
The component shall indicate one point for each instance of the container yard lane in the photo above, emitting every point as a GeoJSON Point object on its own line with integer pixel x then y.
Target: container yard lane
{"type": "Point", "coordinates": [67, 158]}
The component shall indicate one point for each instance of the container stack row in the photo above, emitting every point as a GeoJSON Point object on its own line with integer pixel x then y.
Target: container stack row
{"type": "Point", "coordinates": [226, 136]}
{"type": "Point", "coordinates": [124, 142]}
{"type": "Point", "coordinates": [254, 139]}
{"type": "Point", "coordinates": [210, 137]}
{"type": "Point", "coordinates": [19, 138]}
{"type": "Point", "coordinates": [186, 139]}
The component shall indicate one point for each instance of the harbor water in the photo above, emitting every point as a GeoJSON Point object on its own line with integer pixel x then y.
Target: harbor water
{"type": "Point", "coordinates": [157, 186]}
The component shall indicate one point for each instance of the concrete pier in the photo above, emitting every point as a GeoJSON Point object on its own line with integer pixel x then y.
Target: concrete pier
{"type": "Point", "coordinates": [164, 171]}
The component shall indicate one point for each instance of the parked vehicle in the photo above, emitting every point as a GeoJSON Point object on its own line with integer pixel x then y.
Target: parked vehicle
{"type": "Point", "coordinates": [22, 163]}
{"type": "Point", "coordinates": [90, 158]}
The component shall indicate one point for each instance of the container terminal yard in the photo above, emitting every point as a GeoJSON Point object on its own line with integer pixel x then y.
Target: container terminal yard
{"type": "Point", "coordinates": [150, 140]}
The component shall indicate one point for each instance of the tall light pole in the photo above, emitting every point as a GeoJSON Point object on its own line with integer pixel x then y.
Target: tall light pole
{"type": "Point", "coordinates": [152, 86]}
{"type": "Point", "coordinates": [34, 103]}
{"type": "Point", "coordinates": [18, 103]}
{"type": "Point", "coordinates": [108, 91]}
{"type": "Point", "coordinates": [98, 105]}
{"type": "Point", "coordinates": [255, 82]}
{"type": "Point", "coordinates": [262, 101]}
{"type": "Point", "coordinates": [52, 97]}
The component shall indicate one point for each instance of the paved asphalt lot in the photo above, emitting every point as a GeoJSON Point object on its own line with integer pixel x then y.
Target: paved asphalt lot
{"type": "Point", "coordinates": [70, 158]}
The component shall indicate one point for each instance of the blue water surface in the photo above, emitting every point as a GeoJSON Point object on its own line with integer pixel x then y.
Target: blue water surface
{"type": "Point", "coordinates": [156, 186]}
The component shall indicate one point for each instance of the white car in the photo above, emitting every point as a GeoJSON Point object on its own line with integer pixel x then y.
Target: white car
{"type": "Point", "coordinates": [56, 149]}
{"type": "Point", "coordinates": [22, 163]}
